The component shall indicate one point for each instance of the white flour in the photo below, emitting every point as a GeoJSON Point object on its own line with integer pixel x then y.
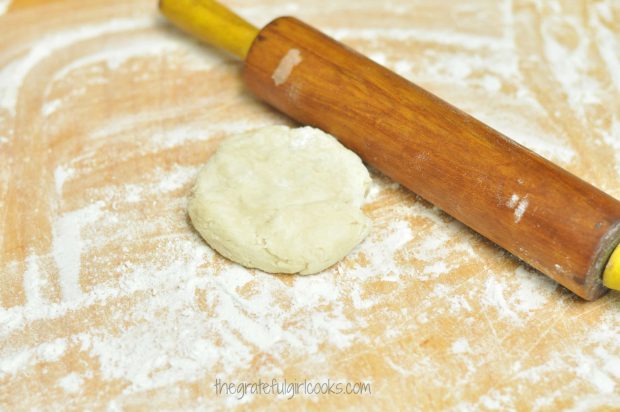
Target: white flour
{"type": "Point", "coordinates": [4, 6]}
{"type": "Point", "coordinates": [190, 311]}
{"type": "Point", "coordinates": [14, 74]}
{"type": "Point", "coordinates": [68, 247]}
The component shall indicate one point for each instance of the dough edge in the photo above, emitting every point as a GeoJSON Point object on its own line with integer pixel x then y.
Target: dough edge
{"type": "Point", "coordinates": [255, 251]}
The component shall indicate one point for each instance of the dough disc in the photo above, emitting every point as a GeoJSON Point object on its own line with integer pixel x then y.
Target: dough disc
{"type": "Point", "coordinates": [281, 200]}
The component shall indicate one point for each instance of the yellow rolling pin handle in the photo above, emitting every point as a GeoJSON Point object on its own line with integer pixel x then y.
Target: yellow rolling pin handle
{"type": "Point", "coordinates": [611, 276]}
{"type": "Point", "coordinates": [211, 22]}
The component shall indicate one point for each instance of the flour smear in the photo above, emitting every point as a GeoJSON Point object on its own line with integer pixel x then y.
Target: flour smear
{"type": "Point", "coordinates": [127, 297]}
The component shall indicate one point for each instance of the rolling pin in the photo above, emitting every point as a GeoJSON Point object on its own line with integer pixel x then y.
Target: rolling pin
{"type": "Point", "coordinates": [544, 215]}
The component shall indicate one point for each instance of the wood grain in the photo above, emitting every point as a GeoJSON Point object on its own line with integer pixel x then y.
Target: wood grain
{"type": "Point", "coordinates": [544, 215]}
{"type": "Point", "coordinates": [111, 301]}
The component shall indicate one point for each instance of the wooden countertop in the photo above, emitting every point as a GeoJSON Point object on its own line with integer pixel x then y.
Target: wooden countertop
{"type": "Point", "coordinates": [110, 300]}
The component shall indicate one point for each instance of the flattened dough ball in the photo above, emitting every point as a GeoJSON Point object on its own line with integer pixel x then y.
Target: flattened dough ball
{"type": "Point", "coordinates": [282, 200]}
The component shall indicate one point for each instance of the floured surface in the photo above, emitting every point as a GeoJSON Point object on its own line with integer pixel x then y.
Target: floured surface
{"type": "Point", "coordinates": [109, 299]}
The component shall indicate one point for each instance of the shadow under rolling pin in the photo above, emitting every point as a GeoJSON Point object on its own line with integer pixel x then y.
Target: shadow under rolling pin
{"type": "Point", "coordinates": [549, 218]}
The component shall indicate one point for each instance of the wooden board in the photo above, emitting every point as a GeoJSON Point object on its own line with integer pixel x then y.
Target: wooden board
{"type": "Point", "coordinates": [109, 299]}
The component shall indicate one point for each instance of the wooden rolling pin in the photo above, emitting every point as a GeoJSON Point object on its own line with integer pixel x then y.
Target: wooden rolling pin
{"type": "Point", "coordinates": [549, 218]}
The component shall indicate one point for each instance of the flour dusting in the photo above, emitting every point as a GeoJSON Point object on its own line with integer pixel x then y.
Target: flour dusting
{"type": "Point", "coordinates": [68, 246]}
{"type": "Point", "coordinates": [4, 6]}
{"type": "Point", "coordinates": [111, 300]}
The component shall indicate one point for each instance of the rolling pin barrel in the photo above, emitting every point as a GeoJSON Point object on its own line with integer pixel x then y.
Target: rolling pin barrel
{"type": "Point", "coordinates": [544, 215]}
